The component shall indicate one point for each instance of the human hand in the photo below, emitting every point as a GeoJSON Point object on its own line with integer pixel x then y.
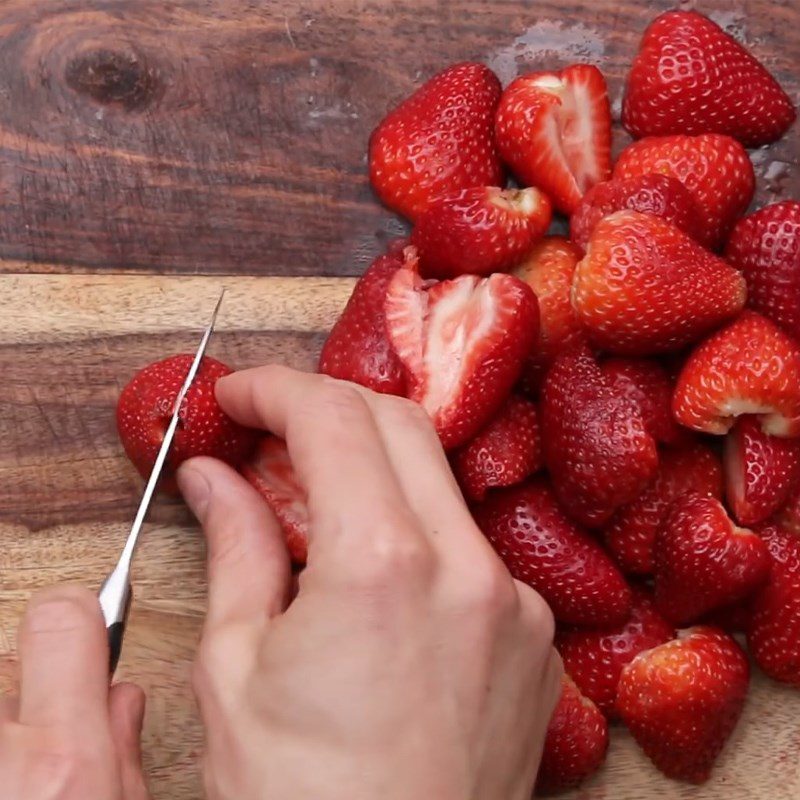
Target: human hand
{"type": "Point", "coordinates": [68, 736]}
{"type": "Point", "coordinates": [409, 664]}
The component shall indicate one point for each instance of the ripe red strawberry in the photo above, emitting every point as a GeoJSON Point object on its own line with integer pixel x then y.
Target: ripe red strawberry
{"type": "Point", "coordinates": [682, 700]}
{"type": "Point", "coordinates": [594, 658]}
{"type": "Point", "coordinates": [554, 131]}
{"type": "Point", "coordinates": [543, 548]}
{"type": "Point", "coordinates": [463, 343]}
{"type": "Point", "coordinates": [645, 287]}
{"type": "Point", "coordinates": [774, 633]}
{"type": "Point", "coordinates": [439, 140]}
{"type": "Point", "coordinates": [631, 533]}
{"type": "Point", "coordinates": [749, 367]}
{"type": "Point", "coordinates": [270, 471]}
{"type": "Point", "coordinates": [479, 230]}
{"type": "Point", "coordinates": [576, 743]}
{"type": "Point", "coordinates": [659, 195]}
{"type": "Point", "coordinates": [357, 348]}
{"type": "Point", "coordinates": [703, 561]}
{"type": "Point", "coordinates": [145, 407]}
{"type": "Point", "coordinates": [766, 247]}
{"type": "Point", "coordinates": [789, 516]}
{"type": "Point", "coordinates": [715, 169]}
{"type": "Point", "coordinates": [596, 446]}
{"type": "Point", "coordinates": [504, 453]}
{"type": "Point", "coordinates": [732, 619]}
{"type": "Point", "coordinates": [691, 77]}
{"type": "Point", "coordinates": [648, 384]}
{"type": "Point", "coordinates": [761, 471]}
{"type": "Point", "coordinates": [548, 270]}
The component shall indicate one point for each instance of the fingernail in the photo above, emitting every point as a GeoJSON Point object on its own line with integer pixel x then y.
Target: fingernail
{"type": "Point", "coordinates": [195, 489]}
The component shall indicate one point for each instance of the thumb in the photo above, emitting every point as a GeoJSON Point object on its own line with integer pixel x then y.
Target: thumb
{"type": "Point", "coordinates": [126, 709]}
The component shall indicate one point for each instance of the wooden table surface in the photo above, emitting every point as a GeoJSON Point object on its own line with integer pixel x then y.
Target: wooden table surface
{"type": "Point", "coordinates": [154, 151]}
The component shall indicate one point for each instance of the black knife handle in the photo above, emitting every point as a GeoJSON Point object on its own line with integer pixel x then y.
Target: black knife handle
{"type": "Point", "coordinates": [116, 633]}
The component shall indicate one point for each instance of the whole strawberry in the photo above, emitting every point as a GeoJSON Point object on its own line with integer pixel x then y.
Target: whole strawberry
{"type": "Point", "coordinates": [789, 516]}
{"type": "Point", "coordinates": [145, 407]}
{"type": "Point", "coordinates": [682, 700]}
{"type": "Point", "coordinates": [691, 77]}
{"type": "Point", "coordinates": [439, 140]}
{"type": "Point", "coordinates": [543, 548]}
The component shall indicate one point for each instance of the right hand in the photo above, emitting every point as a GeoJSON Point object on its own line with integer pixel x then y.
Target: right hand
{"type": "Point", "coordinates": [409, 665]}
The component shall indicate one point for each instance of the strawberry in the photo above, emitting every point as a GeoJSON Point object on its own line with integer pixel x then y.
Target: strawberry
{"type": "Point", "coordinates": [145, 407]}
{"type": "Point", "coordinates": [548, 270]}
{"type": "Point", "coordinates": [439, 140]}
{"type": "Point", "coordinates": [789, 516]}
{"type": "Point", "coordinates": [774, 633]}
{"type": "Point", "coordinates": [554, 131]}
{"type": "Point", "coordinates": [596, 446]}
{"type": "Point", "coordinates": [749, 367]}
{"type": "Point", "coordinates": [631, 533]}
{"type": "Point", "coordinates": [691, 77]}
{"type": "Point", "coordinates": [462, 343]}
{"type": "Point", "coordinates": [270, 471]}
{"type": "Point", "coordinates": [765, 246]}
{"type": "Point", "coordinates": [479, 230]}
{"type": "Point", "coordinates": [715, 169]}
{"type": "Point", "coordinates": [594, 658]}
{"type": "Point", "coordinates": [761, 471]}
{"type": "Point", "coordinates": [504, 453]}
{"type": "Point", "coordinates": [576, 742]}
{"type": "Point", "coordinates": [659, 195]}
{"type": "Point", "coordinates": [543, 548]}
{"type": "Point", "coordinates": [682, 700]}
{"type": "Point", "coordinates": [357, 348]}
{"type": "Point", "coordinates": [732, 619]}
{"type": "Point", "coordinates": [645, 287]}
{"type": "Point", "coordinates": [703, 561]}
{"type": "Point", "coordinates": [648, 384]}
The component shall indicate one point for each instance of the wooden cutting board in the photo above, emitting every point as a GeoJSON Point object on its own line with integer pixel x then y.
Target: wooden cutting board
{"type": "Point", "coordinates": [152, 152]}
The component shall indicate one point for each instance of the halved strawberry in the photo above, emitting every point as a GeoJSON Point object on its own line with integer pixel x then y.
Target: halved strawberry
{"type": "Point", "coordinates": [437, 141]}
{"type": "Point", "coordinates": [543, 548]}
{"type": "Point", "coordinates": [645, 287]}
{"type": "Point", "coordinates": [554, 131]}
{"type": "Point", "coordinates": [691, 77]}
{"type": "Point", "coordinates": [631, 533]}
{"type": "Point", "coordinates": [749, 367]}
{"type": "Point", "coordinates": [682, 700]}
{"type": "Point", "coordinates": [504, 453]}
{"type": "Point", "coordinates": [480, 230]}
{"type": "Point", "coordinates": [596, 446]}
{"type": "Point", "coordinates": [270, 471]}
{"type": "Point", "coordinates": [715, 169]}
{"type": "Point", "coordinates": [761, 471]}
{"type": "Point", "coordinates": [703, 561]}
{"type": "Point", "coordinates": [659, 195]}
{"type": "Point", "coordinates": [463, 343]}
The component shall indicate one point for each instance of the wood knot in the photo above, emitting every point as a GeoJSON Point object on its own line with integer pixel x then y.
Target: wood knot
{"type": "Point", "coordinates": [111, 77]}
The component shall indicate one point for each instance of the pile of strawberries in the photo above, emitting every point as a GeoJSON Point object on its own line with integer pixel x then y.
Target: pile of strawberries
{"type": "Point", "coordinates": [622, 409]}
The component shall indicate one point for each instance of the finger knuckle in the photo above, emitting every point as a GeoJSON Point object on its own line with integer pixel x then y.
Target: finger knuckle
{"type": "Point", "coordinates": [537, 614]}
{"type": "Point", "coordinates": [490, 590]}
{"type": "Point", "coordinates": [408, 414]}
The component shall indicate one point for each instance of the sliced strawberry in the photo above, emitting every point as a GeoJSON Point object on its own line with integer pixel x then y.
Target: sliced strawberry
{"type": "Point", "coordinates": [682, 700]}
{"type": "Point", "coordinates": [715, 169]}
{"type": "Point", "coordinates": [630, 535]}
{"type": "Point", "coordinates": [270, 471]}
{"type": "Point", "coordinates": [659, 195]}
{"type": "Point", "coordinates": [357, 348]}
{"type": "Point", "coordinates": [691, 77]}
{"type": "Point", "coordinates": [543, 548]}
{"type": "Point", "coordinates": [596, 446]}
{"type": "Point", "coordinates": [761, 471]}
{"type": "Point", "coordinates": [576, 743]}
{"type": "Point", "coordinates": [480, 230]}
{"type": "Point", "coordinates": [594, 658]}
{"type": "Point", "coordinates": [463, 343]}
{"type": "Point", "coordinates": [645, 287]}
{"type": "Point", "coordinates": [439, 140]}
{"type": "Point", "coordinates": [554, 131]}
{"type": "Point", "coordinates": [749, 367]}
{"type": "Point", "coordinates": [703, 561]}
{"type": "Point", "coordinates": [504, 453]}
{"type": "Point", "coordinates": [765, 246]}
